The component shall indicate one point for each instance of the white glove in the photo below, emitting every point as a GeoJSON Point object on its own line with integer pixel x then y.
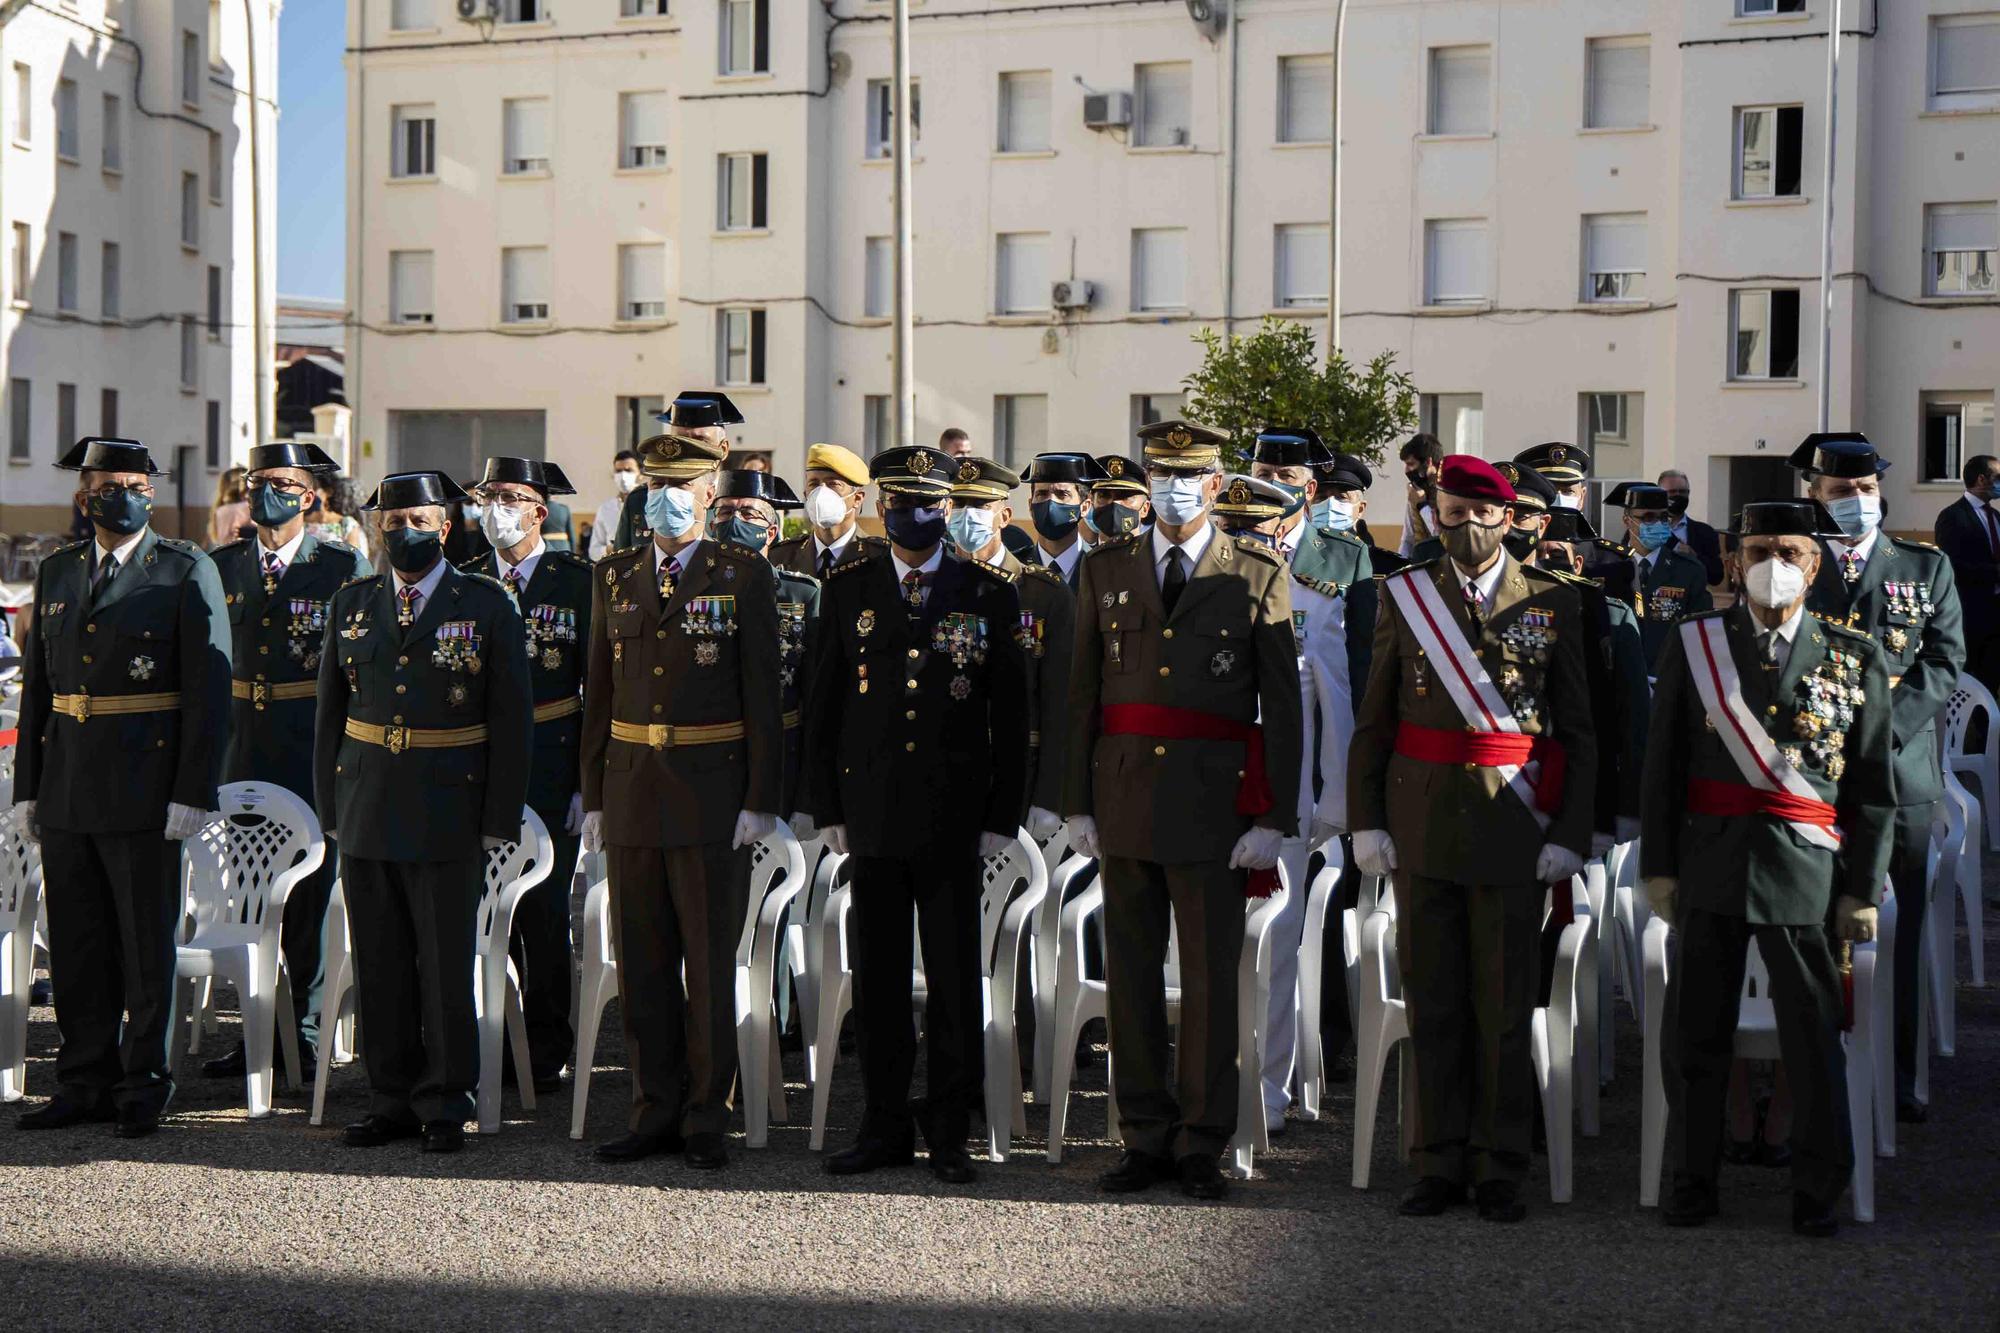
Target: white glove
{"type": "Point", "coordinates": [1601, 843]}
{"type": "Point", "coordinates": [1374, 851]}
{"type": "Point", "coordinates": [1626, 827]}
{"type": "Point", "coordinates": [1257, 849]}
{"type": "Point", "coordinates": [593, 831]}
{"type": "Point", "coordinates": [992, 844]}
{"type": "Point", "coordinates": [752, 827]}
{"type": "Point", "coordinates": [1660, 891]}
{"type": "Point", "coordinates": [836, 838]}
{"type": "Point", "coordinates": [1042, 824]}
{"type": "Point", "coordinates": [24, 819]}
{"type": "Point", "coordinates": [1853, 920]}
{"type": "Point", "coordinates": [488, 842]}
{"type": "Point", "coordinates": [1556, 864]}
{"type": "Point", "coordinates": [803, 827]}
{"type": "Point", "coordinates": [573, 821]}
{"type": "Point", "coordinates": [183, 821]}
{"type": "Point", "coordinates": [1324, 830]}
{"type": "Point", "coordinates": [1083, 835]}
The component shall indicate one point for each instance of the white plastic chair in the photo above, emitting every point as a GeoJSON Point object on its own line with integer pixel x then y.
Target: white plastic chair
{"type": "Point", "coordinates": [600, 982]}
{"type": "Point", "coordinates": [336, 999]}
{"type": "Point", "coordinates": [1381, 1021]}
{"type": "Point", "coordinates": [1078, 1000]}
{"type": "Point", "coordinates": [1961, 809]}
{"type": "Point", "coordinates": [1065, 868]}
{"type": "Point", "coordinates": [511, 870]}
{"type": "Point", "coordinates": [1560, 1043]}
{"type": "Point", "coordinates": [1015, 885]}
{"type": "Point", "coordinates": [10, 723]}
{"type": "Point", "coordinates": [1967, 698]}
{"type": "Point", "coordinates": [1311, 1060]}
{"type": "Point", "coordinates": [777, 876]}
{"type": "Point", "coordinates": [20, 907]}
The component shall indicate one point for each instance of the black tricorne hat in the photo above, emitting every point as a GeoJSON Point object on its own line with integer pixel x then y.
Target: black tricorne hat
{"type": "Point", "coordinates": [108, 453]}
{"type": "Point", "coordinates": [1050, 468]}
{"type": "Point", "coordinates": [692, 408]}
{"type": "Point", "coordinates": [411, 490]}
{"type": "Point", "coordinates": [1843, 453]}
{"type": "Point", "coordinates": [1637, 495]}
{"type": "Point", "coordinates": [1568, 525]}
{"type": "Point", "coordinates": [1346, 472]}
{"type": "Point", "coordinates": [1291, 446]}
{"type": "Point", "coordinates": [530, 472]}
{"type": "Point", "coordinates": [290, 453]}
{"type": "Point", "coordinates": [1785, 518]}
{"type": "Point", "coordinates": [742, 483]}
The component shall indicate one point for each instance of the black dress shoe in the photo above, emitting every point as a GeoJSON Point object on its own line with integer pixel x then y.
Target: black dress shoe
{"type": "Point", "coordinates": [953, 1166]}
{"type": "Point", "coordinates": [870, 1155]}
{"type": "Point", "coordinates": [1812, 1218]}
{"type": "Point", "coordinates": [232, 1065]}
{"type": "Point", "coordinates": [548, 1083]}
{"type": "Point", "coordinates": [1691, 1203]}
{"type": "Point", "coordinates": [1200, 1177]}
{"type": "Point", "coordinates": [1431, 1196]}
{"type": "Point", "coordinates": [443, 1135]}
{"type": "Point", "coordinates": [136, 1122]}
{"type": "Point", "coordinates": [375, 1130]}
{"type": "Point", "coordinates": [1499, 1201]}
{"type": "Point", "coordinates": [634, 1147]}
{"type": "Point", "coordinates": [60, 1112]}
{"type": "Point", "coordinates": [706, 1152]}
{"type": "Point", "coordinates": [1910, 1111]}
{"type": "Point", "coordinates": [1135, 1171]}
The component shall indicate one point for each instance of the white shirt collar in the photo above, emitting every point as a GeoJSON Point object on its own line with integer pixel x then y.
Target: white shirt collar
{"type": "Point", "coordinates": [123, 550]}
{"type": "Point", "coordinates": [1973, 500]}
{"type": "Point", "coordinates": [1288, 542]}
{"type": "Point", "coordinates": [1193, 547]}
{"type": "Point", "coordinates": [527, 564]}
{"type": "Point", "coordinates": [685, 555]}
{"type": "Point", "coordinates": [286, 553]}
{"type": "Point", "coordinates": [1788, 631]}
{"type": "Point", "coordinates": [1863, 548]}
{"type": "Point", "coordinates": [427, 584]}
{"type": "Point", "coordinates": [1487, 582]}
{"type": "Point", "coordinates": [820, 548]}
{"type": "Point", "coordinates": [1063, 563]}
{"type": "Point", "coordinates": [929, 566]}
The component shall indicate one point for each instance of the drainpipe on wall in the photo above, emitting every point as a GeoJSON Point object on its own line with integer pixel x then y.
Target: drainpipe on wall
{"type": "Point", "coordinates": [1826, 219]}
{"type": "Point", "coordinates": [259, 352]}
{"type": "Point", "coordinates": [1229, 190]}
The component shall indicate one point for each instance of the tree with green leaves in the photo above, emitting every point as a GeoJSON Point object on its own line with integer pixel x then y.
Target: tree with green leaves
{"type": "Point", "coordinates": [1275, 377]}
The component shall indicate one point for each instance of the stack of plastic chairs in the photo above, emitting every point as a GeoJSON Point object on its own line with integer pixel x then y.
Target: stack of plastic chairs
{"type": "Point", "coordinates": [1016, 883]}
{"type": "Point", "coordinates": [777, 877]}
{"type": "Point", "coordinates": [20, 907]}
{"type": "Point", "coordinates": [511, 870]}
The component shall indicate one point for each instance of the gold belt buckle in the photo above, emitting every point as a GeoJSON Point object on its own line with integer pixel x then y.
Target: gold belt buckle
{"type": "Point", "coordinates": [658, 734]}
{"type": "Point", "coordinates": [397, 739]}
{"type": "Point", "coordinates": [82, 706]}
{"type": "Point", "coordinates": [259, 692]}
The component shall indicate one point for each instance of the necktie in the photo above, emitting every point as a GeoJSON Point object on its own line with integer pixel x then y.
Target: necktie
{"type": "Point", "coordinates": [512, 578]}
{"type": "Point", "coordinates": [1473, 603]}
{"type": "Point", "coordinates": [669, 575]}
{"type": "Point", "coordinates": [1175, 582]}
{"type": "Point", "coordinates": [406, 605]}
{"type": "Point", "coordinates": [273, 570]}
{"type": "Point", "coordinates": [1850, 565]}
{"type": "Point", "coordinates": [1992, 530]}
{"type": "Point", "coordinates": [107, 569]}
{"type": "Point", "coordinates": [825, 563]}
{"type": "Point", "coordinates": [913, 590]}
{"type": "Point", "coordinates": [1768, 649]}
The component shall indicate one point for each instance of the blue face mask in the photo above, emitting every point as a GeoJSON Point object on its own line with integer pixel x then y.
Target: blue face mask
{"type": "Point", "coordinates": [914, 529]}
{"type": "Point", "coordinates": [1856, 514]}
{"type": "Point", "coordinates": [970, 529]}
{"type": "Point", "coordinates": [670, 510]}
{"type": "Point", "coordinates": [1336, 515]}
{"type": "Point", "coordinates": [1654, 535]}
{"type": "Point", "coordinates": [740, 532]}
{"type": "Point", "coordinates": [1178, 498]}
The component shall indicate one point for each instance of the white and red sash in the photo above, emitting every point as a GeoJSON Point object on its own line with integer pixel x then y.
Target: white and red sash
{"type": "Point", "coordinates": [1774, 787]}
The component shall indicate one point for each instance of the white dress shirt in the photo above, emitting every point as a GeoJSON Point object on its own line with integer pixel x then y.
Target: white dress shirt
{"type": "Point", "coordinates": [1487, 582]}
{"type": "Point", "coordinates": [1786, 633]}
{"type": "Point", "coordinates": [838, 550]}
{"type": "Point", "coordinates": [122, 552]}
{"type": "Point", "coordinates": [526, 569]}
{"type": "Point", "coordinates": [1063, 564]}
{"type": "Point", "coordinates": [425, 586]}
{"type": "Point", "coordinates": [286, 553]}
{"type": "Point", "coordinates": [1192, 548]}
{"type": "Point", "coordinates": [1863, 550]}
{"type": "Point", "coordinates": [685, 555]}
{"type": "Point", "coordinates": [904, 571]}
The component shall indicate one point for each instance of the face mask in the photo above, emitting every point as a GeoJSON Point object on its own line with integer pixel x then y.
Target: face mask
{"type": "Point", "coordinates": [1337, 515]}
{"type": "Point", "coordinates": [670, 510]}
{"type": "Point", "coordinates": [1295, 497]}
{"type": "Point", "coordinates": [916, 529]}
{"type": "Point", "coordinates": [971, 529]}
{"type": "Point", "coordinates": [1090, 524]}
{"type": "Point", "coordinates": [413, 550]}
{"type": "Point", "coordinates": [626, 481]}
{"type": "Point", "coordinates": [1654, 535]}
{"type": "Point", "coordinates": [1178, 499]}
{"type": "Point", "coordinates": [273, 508]}
{"type": "Point", "coordinates": [1856, 514]}
{"type": "Point", "coordinates": [1114, 520]}
{"type": "Point", "coordinates": [502, 526]}
{"type": "Point", "coordinates": [1565, 500]}
{"type": "Point", "coordinates": [123, 512]}
{"type": "Point", "coordinates": [1773, 583]}
{"type": "Point", "coordinates": [1558, 559]}
{"type": "Point", "coordinates": [1521, 542]}
{"type": "Point", "coordinates": [1055, 520]}
{"type": "Point", "coordinates": [1677, 504]}
{"type": "Point", "coordinates": [1472, 544]}
{"type": "Point", "coordinates": [824, 509]}
{"type": "Point", "coordinates": [739, 531]}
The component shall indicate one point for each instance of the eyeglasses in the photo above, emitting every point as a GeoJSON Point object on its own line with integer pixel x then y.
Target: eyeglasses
{"type": "Point", "coordinates": [512, 499]}
{"type": "Point", "coordinates": [112, 488]}
{"type": "Point", "coordinates": [748, 513]}
{"type": "Point", "coordinates": [284, 484]}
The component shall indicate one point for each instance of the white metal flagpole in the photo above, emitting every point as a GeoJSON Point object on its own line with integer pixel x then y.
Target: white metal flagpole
{"type": "Point", "coordinates": [903, 354]}
{"type": "Point", "coordinates": [1333, 207]}
{"type": "Point", "coordinates": [1826, 219]}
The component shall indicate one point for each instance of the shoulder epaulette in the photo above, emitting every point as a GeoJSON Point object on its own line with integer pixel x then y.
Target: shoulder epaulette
{"type": "Point", "coordinates": [622, 553]}
{"type": "Point", "coordinates": [1045, 574]}
{"type": "Point", "coordinates": [1324, 587]}
{"type": "Point", "coordinates": [793, 576]}
{"type": "Point", "coordinates": [739, 554]}
{"type": "Point", "coordinates": [1921, 546]}
{"type": "Point", "coordinates": [1004, 575]}
{"type": "Point", "coordinates": [1603, 545]}
{"type": "Point", "coordinates": [1547, 575]}
{"type": "Point", "coordinates": [1114, 543]}
{"type": "Point", "coordinates": [336, 545]}
{"type": "Point", "coordinates": [472, 566]}
{"type": "Point", "coordinates": [1841, 627]}
{"type": "Point", "coordinates": [568, 558]}
{"type": "Point", "coordinates": [1251, 546]}
{"type": "Point", "coordinates": [67, 547]}
{"type": "Point", "coordinates": [180, 547]}
{"type": "Point", "coordinates": [1565, 577]}
{"type": "Point", "coordinates": [859, 558]}
{"type": "Point", "coordinates": [358, 581]}
{"type": "Point", "coordinates": [486, 579]}
{"type": "Point", "coordinates": [231, 545]}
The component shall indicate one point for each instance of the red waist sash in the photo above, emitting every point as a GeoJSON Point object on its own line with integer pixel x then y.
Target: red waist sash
{"type": "Point", "coordinates": [1253, 789]}
{"type": "Point", "coordinates": [1706, 796]}
{"type": "Point", "coordinates": [1489, 749]}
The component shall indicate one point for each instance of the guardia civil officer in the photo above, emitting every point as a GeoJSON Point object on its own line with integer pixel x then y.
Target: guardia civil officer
{"type": "Point", "coordinates": [1058, 486]}
{"type": "Point", "coordinates": [916, 753]}
{"type": "Point", "coordinates": [1183, 780]}
{"type": "Point", "coordinates": [1333, 558]}
{"type": "Point", "coordinates": [1658, 579]}
{"type": "Point", "coordinates": [1901, 594]}
{"type": "Point", "coordinates": [836, 482]}
{"type": "Point", "coordinates": [421, 756]}
{"type": "Point", "coordinates": [1119, 503]}
{"type": "Point", "coordinates": [682, 766]}
{"type": "Point", "coordinates": [124, 711]}
{"type": "Point", "coordinates": [551, 588]}
{"type": "Point", "coordinates": [1769, 805]}
{"type": "Point", "coordinates": [278, 586]}
{"type": "Point", "coordinates": [701, 413]}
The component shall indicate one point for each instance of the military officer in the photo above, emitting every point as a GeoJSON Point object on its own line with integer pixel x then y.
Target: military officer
{"type": "Point", "coordinates": [836, 481]}
{"type": "Point", "coordinates": [1658, 579]}
{"type": "Point", "coordinates": [1183, 780]}
{"type": "Point", "coordinates": [1118, 499]}
{"type": "Point", "coordinates": [278, 586]}
{"type": "Point", "coordinates": [1470, 780]}
{"type": "Point", "coordinates": [920, 647]}
{"type": "Point", "coordinates": [124, 710]}
{"type": "Point", "coordinates": [551, 588]}
{"type": "Point", "coordinates": [1567, 468]}
{"type": "Point", "coordinates": [420, 757]}
{"type": "Point", "coordinates": [1058, 486]}
{"type": "Point", "coordinates": [1902, 595]}
{"type": "Point", "coordinates": [705, 413]}
{"type": "Point", "coordinates": [682, 767]}
{"type": "Point", "coordinates": [1293, 457]}
{"type": "Point", "coordinates": [1769, 802]}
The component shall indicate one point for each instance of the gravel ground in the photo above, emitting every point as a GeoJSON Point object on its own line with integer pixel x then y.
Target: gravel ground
{"type": "Point", "coordinates": [222, 1222]}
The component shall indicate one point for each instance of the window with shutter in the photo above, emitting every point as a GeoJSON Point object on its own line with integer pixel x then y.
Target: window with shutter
{"type": "Point", "coordinates": [1619, 82]}
{"type": "Point", "coordinates": [1455, 266]}
{"type": "Point", "coordinates": [1024, 111]}
{"type": "Point", "coordinates": [1461, 92]}
{"type": "Point", "coordinates": [1305, 99]}
{"type": "Point", "coordinates": [1165, 115]}
{"type": "Point", "coordinates": [1614, 248]}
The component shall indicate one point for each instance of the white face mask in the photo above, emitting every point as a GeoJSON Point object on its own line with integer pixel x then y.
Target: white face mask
{"type": "Point", "coordinates": [627, 482]}
{"type": "Point", "coordinates": [503, 526]}
{"type": "Point", "coordinates": [1179, 499]}
{"type": "Point", "coordinates": [1773, 583]}
{"type": "Point", "coordinates": [824, 508]}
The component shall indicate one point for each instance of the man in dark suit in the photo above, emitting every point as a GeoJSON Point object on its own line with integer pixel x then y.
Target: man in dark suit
{"type": "Point", "coordinates": [1701, 541]}
{"type": "Point", "coordinates": [124, 710]}
{"type": "Point", "coordinates": [1968, 532]}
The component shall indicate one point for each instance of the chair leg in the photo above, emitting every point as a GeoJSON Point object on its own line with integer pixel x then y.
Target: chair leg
{"type": "Point", "coordinates": [492, 1024]}
{"type": "Point", "coordinates": [775, 1080]}
{"type": "Point", "coordinates": [1063, 1032]}
{"type": "Point", "coordinates": [1370, 1063]}
{"type": "Point", "coordinates": [1310, 1058]}
{"type": "Point", "coordinates": [330, 1019]}
{"type": "Point", "coordinates": [1587, 1080]}
{"type": "Point", "coordinates": [1975, 919]}
{"type": "Point", "coordinates": [1860, 1078]}
{"type": "Point", "coordinates": [1653, 1102]}
{"type": "Point", "coordinates": [827, 1046]}
{"type": "Point", "coordinates": [255, 998]}
{"type": "Point", "coordinates": [590, 1013]}
{"type": "Point", "coordinates": [288, 1029]}
{"type": "Point", "coordinates": [517, 1032]}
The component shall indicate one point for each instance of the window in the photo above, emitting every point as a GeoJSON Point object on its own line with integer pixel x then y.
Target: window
{"type": "Point", "coordinates": [1021, 285]}
{"type": "Point", "coordinates": [1148, 408]}
{"type": "Point", "coordinates": [1020, 427]}
{"type": "Point", "coordinates": [876, 423]}
{"type": "Point", "coordinates": [414, 152]}
{"type": "Point", "coordinates": [642, 130]}
{"type": "Point", "coordinates": [190, 210]}
{"type": "Point", "coordinates": [214, 167]}
{"type": "Point", "coordinates": [878, 299]}
{"type": "Point", "coordinates": [1957, 426]}
{"type": "Point", "coordinates": [412, 15]}
{"type": "Point", "coordinates": [66, 270]}
{"type": "Point", "coordinates": [111, 157]}
{"type": "Point", "coordinates": [215, 32]}
{"type": "Point", "coordinates": [1305, 99]}
{"type": "Point", "coordinates": [1759, 8]}
{"type": "Point", "coordinates": [1024, 111]}
{"type": "Point", "coordinates": [739, 346]}
{"type": "Point", "coordinates": [1764, 334]}
{"type": "Point", "coordinates": [1455, 261]}
{"type": "Point", "coordinates": [633, 9]}
{"type": "Point", "coordinates": [190, 362]}
{"type": "Point", "coordinates": [1461, 90]}
{"type": "Point", "coordinates": [23, 263]}
{"type": "Point", "coordinates": [1612, 427]}
{"type": "Point", "coordinates": [746, 36]}
{"type": "Point", "coordinates": [642, 281]}
{"type": "Point", "coordinates": [1457, 419]}
{"type": "Point", "coordinates": [1614, 257]}
{"type": "Point", "coordinates": [107, 281]}
{"type": "Point", "coordinates": [211, 450]}
{"type": "Point", "coordinates": [66, 431]}
{"type": "Point", "coordinates": [522, 11]}
{"type": "Point", "coordinates": [1159, 268]}
{"type": "Point", "coordinates": [1768, 150]}
{"type": "Point", "coordinates": [1960, 241]}
{"type": "Point", "coordinates": [742, 184]}
{"type": "Point", "coordinates": [191, 71]}
{"type": "Point", "coordinates": [20, 420]}
{"type": "Point", "coordinates": [525, 135]}
{"type": "Point", "coordinates": [107, 411]}
{"type": "Point", "coordinates": [24, 104]}
{"type": "Point", "coordinates": [215, 301]}
{"type": "Point", "coordinates": [1300, 254]}
{"type": "Point", "coordinates": [68, 132]}
{"type": "Point", "coordinates": [1965, 61]}
{"type": "Point", "coordinates": [1165, 114]}
{"type": "Point", "coordinates": [882, 117]}
{"type": "Point", "coordinates": [638, 418]}
{"type": "Point", "coordinates": [1618, 83]}
{"type": "Point", "coordinates": [524, 284]}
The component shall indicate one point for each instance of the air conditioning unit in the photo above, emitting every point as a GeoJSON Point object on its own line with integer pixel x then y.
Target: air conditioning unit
{"type": "Point", "coordinates": [1075, 294]}
{"type": "Point", "coordinates": [1105, 111]}
{"type": "Point", "coordinates": [479, 11]}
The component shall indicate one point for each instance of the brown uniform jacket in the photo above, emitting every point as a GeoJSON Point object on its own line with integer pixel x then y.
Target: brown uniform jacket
{"type": "Point", "coordinates": [1047, 635]}
{"type": "Point", "coordinates": [800, 554]}
{"type": "Point", "coordinates": [1227, 650]}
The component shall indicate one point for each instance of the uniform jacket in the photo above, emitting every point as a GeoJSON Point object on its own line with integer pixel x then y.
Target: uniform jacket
{"type": "Point", "coordinates": [555, 612]}
{"type": "Point", "coordinates": [798, 633]}
{"type": "Point", "coordinates": [1675, 586]}
{"type": "Point", "coordinates": [463, 663]}
{"type": "Point", "coordinates": [1757, 867]}
{"type": "Point", "coordinates": [158, 627]}
{"type": "Point", "coordinates": [1705, 545]}
{"type": "Point", "coordinates": [1907, 601]}
{"type": "Point", "coordinates": [1226, 650]}
{"type": "Point", "coordinates": [917, 727]}
{"type": "Point", "coordinates": [1345, 562]}
{"type": "Point", "coordinates": [1615, 664]}
{"type": "Point", "coordinates": [633, 530]}
{"type": "Point", "coordinates": [1975, 567]}
{"type": "Point", "coordinates": [707, 656]}
{"type": "Point", "coordinates": [798, 555]}
{"type": "Point", "coordinates": [1462, 824]}
{"type": "Point", "coordinates": [1047, 634]}
{"type": "Point", "coordinates": [1326, 697]}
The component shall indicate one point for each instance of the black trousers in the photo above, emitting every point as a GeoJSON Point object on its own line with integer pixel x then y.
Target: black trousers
{"type": "Point", "coordinates": [113, 905]}
{"type": "Point", "coordinates": [943, 894]}
{"type": "Point", "coordinates": [1906, 872]}
{"type": "Point", "coordinates": [1336, 1023]}
{"type": "Point", "coordinates": [540, 948]}
{"type": "Point", "coordinates": [302, 936]}
{"type": "Point", "coordinates": [1704, 994]}
{"type": "Point", "coordinates": [415, 926]}
{"type": "Point", "coordinates": [678, 911]}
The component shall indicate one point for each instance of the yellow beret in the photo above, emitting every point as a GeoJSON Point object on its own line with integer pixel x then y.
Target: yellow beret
{"type": "Point", "coordinates": [842, 462]}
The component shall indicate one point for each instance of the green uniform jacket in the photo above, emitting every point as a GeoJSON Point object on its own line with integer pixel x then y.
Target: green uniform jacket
{"type": "Point", "coordinates": [462, 664]}
{"type": "Point", "coordinates": [1615, 660]}
{"type": "Point", "coordinates": [555, 611]}
{"type": "Point", "coordinates": [1047, 634]}
{"type": "Point", "coordinates": [798, 633]}
{"type": "Point", "coordinates": [633, 530]}
{"type": "Point", "coordinates": [1675, 587]}
{"type": "Point", "coordinates": [1756, 866]}
{"type": "Point", "coordinates": [1460, 823]}
{"type": "Point", "coordinates": [276, 639]}
{"type": "Point", "coordinates": [1345, 561]}
{"type": "Point", "coordinates": [1907, 601]}
{"type": "Point", "coordinates": [158, 627]}
{"type": "Point", "coordinates": [707, 657]}
{"type": "Point", "coordinates": [1227, 650]}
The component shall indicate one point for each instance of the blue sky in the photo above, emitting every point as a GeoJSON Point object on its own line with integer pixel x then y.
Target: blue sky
{"type": "Point", "coordinates": [312, 149]}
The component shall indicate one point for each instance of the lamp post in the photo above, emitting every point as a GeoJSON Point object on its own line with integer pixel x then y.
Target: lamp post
{"type": "Point", "coordinates": [903, 352]}
{"type": "Point", "coordinates": [1826, 218]}
{"type": "Point", "coordinates": [1333, 204]}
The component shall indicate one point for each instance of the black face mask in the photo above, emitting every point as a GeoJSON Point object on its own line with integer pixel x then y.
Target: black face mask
{"type": "Point", "coordinates": [1521, 542]}
{"type": "Point", "coordinates": [123, 512]}
{"type": "Point", "coordinates": [1559, 560]}
{"type": "Point", "coordinates": [273, 508]}
{"type": "Point", "coordinates": [413, 550]}
{"type": "Point", "coordinates": [1114, 520]}
{"type": "Point", "coordinates": [1677, 504]}
{"type": "Point", "coordinates": [1055, 520]}
{"type": "Point", "coordinates": [914, 529]}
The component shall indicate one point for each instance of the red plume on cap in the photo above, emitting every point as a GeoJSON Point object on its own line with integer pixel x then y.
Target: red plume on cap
{"type": "Point", "coordinates": [1471, 478]}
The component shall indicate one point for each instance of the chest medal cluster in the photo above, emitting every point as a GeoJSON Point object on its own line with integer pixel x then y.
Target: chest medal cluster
{"type": "Point", "coordinates": [457, 650]}
{"type": "Point", "coordinates": [306, 630]}
{"type": "Point", "coordinates": [1662, 603]}
{"type": "Point", "coordinates": [791, 641]}
{"type": "Point", "coordinates": [551, 628]}
{"type": "Point", "coordinates": [1533, 636]}
{"type": "Point", "coordinates": [1828, 700]}
{"type": "Point", "coordinates": [708, 620]}
{"type": "Point", "coordinates": [960, 636]}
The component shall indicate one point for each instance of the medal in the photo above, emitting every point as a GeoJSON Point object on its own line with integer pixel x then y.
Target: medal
{"type": "Point", "coordinates": [861, 678]}
{"type": "Point", "coordinates": [864, 624]}
{"type": "Point", "coordinates": [142, 668]}
{"type": "Point", "coordinates": [551, 659]}
{"type": "Point", "coordinates": [707, 653]}
{"type": "Point", "coordinates": [456, 695]}
{"type": "Point", "coordinates": [961, 688]}
{"type": "Point", "coordinates": [1222, 664]}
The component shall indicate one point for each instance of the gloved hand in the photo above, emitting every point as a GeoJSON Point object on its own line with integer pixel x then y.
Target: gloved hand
{"type": "Point", "coordinates": [751, 827]}
{"type": "Point", "coordinates": [1323, 830]}
{"type": "Point", "coordinates": [24, 820]}
{"type": "Point", "coordinates": [992, 844]}
{"type": "Point", "coordinates": [1853, 920]}
{"type": "Point", "coordinates": [487, 842]}
{"type": "Point", "coordinates": [1556, 864]}
{"type": "Point", "coordinates": [1083, 835]}
{"type": "Point", "coordinates": [1257, 849]}
{"type": "Point", "coordinates": [183, 821]}
{"type": "Point", "coordinates": [1374, 851]}
{"type": "Point", "coordinates": [803, 827]}
{"type": "Point", "coordinates": [573, 821]}
{"type": "Point", "coordinates": [1660, 891]}
{"type": "Point", "coordinates": [1602, 843]}
{"type": "Point", "coordinates": [1042, 824]}
{"type": "Point", "coordinates": [592, 830]}
{"type": "Point", "coordinates": [1626, 827]}
{"type": "Point", "coordinates": [836, 838]}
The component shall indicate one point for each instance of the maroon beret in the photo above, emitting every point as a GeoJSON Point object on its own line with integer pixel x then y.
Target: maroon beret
{"type": "Point", "coordinates": [1472, 478]}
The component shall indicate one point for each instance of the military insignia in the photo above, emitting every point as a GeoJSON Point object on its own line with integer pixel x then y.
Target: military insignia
{"type": "Point", "coordinates": [1558, 454]}
{"type": "Point", "coordinates": [968, 471]}
{"type": "Point", "coordinates": [457, 694]}
{"type": "Point", "coordinates": [1222, 663]}
{"type": "Point", "coordinates": [1110, 600]}
{"type": "Point", "coordinates": [1114, 467]}
{"type": "Point", "coordinates": [356, 626]}
{"type": "Point", "coordinates": [53, 608]}
{"type": "Point", "coordinates": [1239, 492]}
{"type": "Point", "coordinates": [1510, 679]}
{"type": "Point", "coordinates": [864, 624]}
{"type": "Point", "coordinates": [1805, 725]}
{"type": "Point", "coordinates": [729, 573]}
{"type": "Point", "coordinates": [1420, 676]}
{"type": "Point", "coordinates": [1111, 650]}
{"type": "Point", "coordinates": [610, 577]}
{"type": "Point", "coordinates": [861, 678]}
{"type": "Point", "coordinates": [311, 662]}
{"type": "Point", "coordinates": [961, 688]}
{"type": "Point", "coordinates": [551, 659]}
{"type": "Point", "coordinates": [1179, 437]}
{"type": "Point", "coordinates": [707, 653]}
{"type": "Point", "coordinates": [142, 668]}
{"type": "Point", "coordinates": [1896, 640]}
{"type": "Point", "coordinates": [920, 463]}
{"type": "Point", "coordinates": [1029, 634]}
{"type": "Point", "coordinates": [1509, 471]}
{"type": "Point", "coordinates": [1124, 597]}
{"type": "Point", "coordinates": [669, 449]}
